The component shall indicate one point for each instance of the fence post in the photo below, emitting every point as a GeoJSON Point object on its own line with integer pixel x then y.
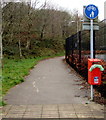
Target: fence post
{"type": "Point", "coordinates": [72, 46]}
{"type": "Point", "coordinates": [79, 46]}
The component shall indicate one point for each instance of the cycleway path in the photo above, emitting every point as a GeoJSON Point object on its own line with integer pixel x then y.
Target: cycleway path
{"type": "Point", "coordinates": [52, 90]}
{"type": "Point", "coordinates": [50, 82]}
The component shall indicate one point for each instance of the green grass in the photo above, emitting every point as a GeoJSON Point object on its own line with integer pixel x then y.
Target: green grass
{"type": "Point", "coordinates": [2, 103]}
{"type": "Point", "coordinates": [14, 71]}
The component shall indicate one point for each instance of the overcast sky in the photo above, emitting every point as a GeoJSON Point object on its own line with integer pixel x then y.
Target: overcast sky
{"type": "Point", "coordinates": [78, 4]}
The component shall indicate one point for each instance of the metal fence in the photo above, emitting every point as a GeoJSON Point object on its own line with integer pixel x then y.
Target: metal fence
{"type": "Point", "coordinates": [78, 48]}
{"type": "Point", "coordinates": [81, 42]}
{"type": "Point", "coordinates": [100, 41]}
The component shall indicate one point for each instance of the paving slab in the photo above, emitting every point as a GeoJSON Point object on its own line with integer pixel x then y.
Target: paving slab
{"type": "Point", "coordinates": [34, 108]}
{"type": "Point", "coordinates": [50, 107]}
{"type": "Point", "coordinates": [75, 111]}
{"type": "Point", "coordinates": [85, 115]}
{"type": "Point", "coordinates": [50, 112]}
{"type": "Point", "coordinates": [66, 107]}
{"type": "Point", "coordinates": [50, 116]}
{"type": "Point", "coordinates": [67, 114]}
{"type": "Point", "coordinates": [14, 115]}
{"type": "Point", "coordinates": [6, 108]}
{"type": "Point", "coordinates": [32, 114]}
{"type": "Point", "coordinates": [93, 106]}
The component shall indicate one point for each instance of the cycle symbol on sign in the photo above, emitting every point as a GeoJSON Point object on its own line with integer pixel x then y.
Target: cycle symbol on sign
{"type": "Point", "coordinates": [91, 8]}
{"type": "Point", "coordinates": [91, 11]}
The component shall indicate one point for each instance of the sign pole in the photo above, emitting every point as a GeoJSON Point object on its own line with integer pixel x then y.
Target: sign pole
{"type": "Point", "coordinates": [91, 12]}
{"type": "Point", "coordinates": [91, 39]}
{"type": "Point", "coordinates": [91, 49]}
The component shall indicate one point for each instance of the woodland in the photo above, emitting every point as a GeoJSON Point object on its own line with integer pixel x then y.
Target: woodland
{"type": "Point", "coordinates": [31, 31]}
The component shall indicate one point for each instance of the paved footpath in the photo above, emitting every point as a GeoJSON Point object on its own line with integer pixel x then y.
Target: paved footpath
{"type": "Point", "coordinates": [75, 111]}
{"type": "Point", "coordinates": [51, 90]}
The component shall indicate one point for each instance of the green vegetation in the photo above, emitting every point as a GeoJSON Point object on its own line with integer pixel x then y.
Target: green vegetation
{"type": "Point", "coordinates": [14, 70]}
{"type": "Point", "coordinates": [32, 32]}
{"type": "Point", "coordinates": [29, 34]}
{"type": "Point", "coordinates": [2, 103]}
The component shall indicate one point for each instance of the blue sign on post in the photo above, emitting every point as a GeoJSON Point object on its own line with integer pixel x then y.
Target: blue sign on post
{"type": "Point", "coordinates": [91, 11]}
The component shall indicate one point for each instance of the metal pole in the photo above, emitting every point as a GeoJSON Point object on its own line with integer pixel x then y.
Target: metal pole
{"type": "Point", "coordinates": [91, 92]}
{"type": "Point", "coordinates": [91, 49]}
{"type": "Point", "coordinates": [77, 28]}
{"type": "Point", "coordinates": [91, 39]}
{"type": "Point", "coordinates": [94, 44]}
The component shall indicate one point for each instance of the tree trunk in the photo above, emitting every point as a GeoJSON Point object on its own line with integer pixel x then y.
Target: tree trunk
{"type": "Point", "coordinates": [20, 51]}
{"type": "Point", "coordinates": [28, 43]}
{"type": "Point", "coordinates": [42, 32]}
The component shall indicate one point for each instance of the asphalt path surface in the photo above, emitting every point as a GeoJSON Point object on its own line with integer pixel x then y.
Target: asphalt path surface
{"type": "Point", "coordinates": [52, 81]}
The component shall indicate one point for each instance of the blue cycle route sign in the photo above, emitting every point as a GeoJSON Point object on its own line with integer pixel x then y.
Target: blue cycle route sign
{"type": "Point", "coordinates": [91, 11]}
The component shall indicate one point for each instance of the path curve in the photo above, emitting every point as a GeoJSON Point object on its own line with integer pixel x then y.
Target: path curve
{"type": "Point", "coordinates": [50, 82]}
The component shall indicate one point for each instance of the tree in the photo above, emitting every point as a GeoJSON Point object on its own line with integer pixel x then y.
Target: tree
{"type": "Point", "coordinates": [29, 30]}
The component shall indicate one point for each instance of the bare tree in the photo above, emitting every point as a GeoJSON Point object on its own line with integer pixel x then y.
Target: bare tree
{"type": "Point", "coordinates": [1, 31]}
{"type": "Point", "coordinates": [27, 27]}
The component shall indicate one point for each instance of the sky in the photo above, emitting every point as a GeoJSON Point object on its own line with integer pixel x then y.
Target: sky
{"type": "Point", "coordinates": [78, 4]}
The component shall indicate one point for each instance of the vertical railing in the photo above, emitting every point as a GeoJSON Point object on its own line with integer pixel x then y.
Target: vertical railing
{"type": "Point", "coordinates": [80, 43]}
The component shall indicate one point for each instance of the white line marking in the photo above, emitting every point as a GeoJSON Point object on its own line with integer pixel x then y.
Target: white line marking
{"type": "Point", "coordinates": [34, 85]}
{"type": "Point", "coordinates": [37, 90]}
{"type": "Point", "coordinates": [44, 77]}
